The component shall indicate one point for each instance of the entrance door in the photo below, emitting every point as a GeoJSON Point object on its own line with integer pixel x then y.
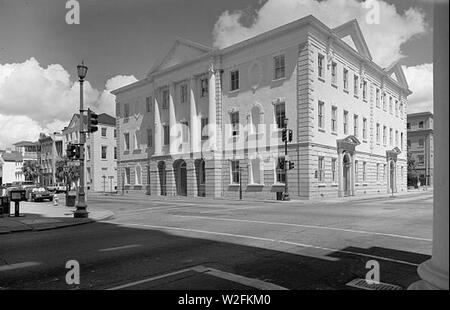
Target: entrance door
{"type": "Point", "coordinates": [392, 176]}
{"type": "Point", "coordinates": [346, 171]}
{"type": "Point", "coordinates": [201, 177]}
{"type": "Point", "coordinates": [162, 178]}
{"type": "Point", "coordinates": [181, 179]}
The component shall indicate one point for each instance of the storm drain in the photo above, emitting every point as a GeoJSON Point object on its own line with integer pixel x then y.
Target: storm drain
{"type": "Point", "coordinates": [362, 284]}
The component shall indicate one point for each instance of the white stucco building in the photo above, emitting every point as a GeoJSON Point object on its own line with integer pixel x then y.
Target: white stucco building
{"type": "Point", "coordinates": [207, 122]}
{"type": "Point", "coordinates": [11, 163]}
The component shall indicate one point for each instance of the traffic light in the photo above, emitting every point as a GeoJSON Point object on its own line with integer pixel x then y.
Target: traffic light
{"type": "Point", "coordinates": [281, 163]}
{"type": "Point", "coordinates": [291, 165]}
{"type": "Point", "coordinates": [284, 135]}
{"type": "Point", "coordinates": [290, 133]}
{"type": "Point", "coordinates": [92, 121]}
{"type": "Point", "coordinates": [71, 151]}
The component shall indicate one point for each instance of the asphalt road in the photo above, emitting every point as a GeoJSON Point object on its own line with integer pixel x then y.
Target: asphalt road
{"type": "Point", "coordinates": [155, 243]}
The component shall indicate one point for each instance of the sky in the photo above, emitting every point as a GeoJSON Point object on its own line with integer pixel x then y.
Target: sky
{"type": "Point", "coordinates": [120, 41]}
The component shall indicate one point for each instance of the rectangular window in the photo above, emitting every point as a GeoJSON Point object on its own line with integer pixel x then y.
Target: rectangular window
{"type": "Point", "coordinates": [149, 137]}
{"type": "Point", "coordinates": [320, 59]}
{"type": "Point", "coordinates": [384, 101]}
{"type": "Point", "coordinates": [390, 104]}
{"type": "Point", "coordinates": [104, 149]}
{"type": "Point", "coordinates": [396, 107]}
{"type": "Point", "coordinates": [235, 172]}
{"type": "Point", "coordinates": [355, 125]}
{"type": "Point", "coordinates": [355, 85]}
{"type": "Point", "coordinates": [334, 73]}
{"type": "Point", "coordinates": [420, 124]}
{"type": "Point", "coordinates": [166, 130]}
{"type": "Point", "coordinates": [104, 131]}
{"type": "Point", "coordinates": [345, 77]}
{"type": "Point", "coordinates": [280, 115]}
{"type": "Point", "coordinates": [345, 122]}
{"type": "Point", "coordinates": [127, 176]}
{"type": "Point", "coordinates": [148, 104]}
{"type": "Point", "coordinates": [396, 138]}
{"type": "Point", "coordinates": [378, 133]}
{"type": "Point", "coordinates": [234, 119]}
{"type": "Point", "coordinates": [281, 173]}
{"type": "Point", "coordinates": [377, 97]}
{"type": "Point", "coordinates": [364, 171]}
{"type": "Point", "coordinates": [421, 143]}
{"type": "Point", "coordinates": [88, 152]}
{"type": "Point", "coordinates": [321, 115]}
{"type": "Point", "coordinates": [391, 137]}
{"type": "Point", "coordinates": [365, 90]}
{"type": "Point", "coordinates": [384, 135]}
{"type": "Point", "coordinates": [126, 138]}
{"type": "Point", "coordinates": [356, 172]}
{"type": "Point", "coordinates": [165, 99]}
{"type": "Point", "coordinates": [183, 93]}
{"type": "Point", "coordinates": [115, 152]}
{"type": "Point", "coordinates": [204, 124]}
{"type": "Point", "coordinates": [279, 67]}
{"type": "Point", "coordinates": [364, 128]}
{"type": "Point", "coordinates": [333, 169]}
{"type": "Point", "coordinates": [408, 125]}
{"type": "Point", "coordinates": [138, 176]}
{"type": "Point", "coordinates": [126, 110]}
{"type": "Point", "coordinates": [203, 87]}
{"type": "Point", "coordinates": [421, 159]}
{"type": "Point", "coordinates": [234, 80]}
{"type": "Point", "coordinates": [115, 133]}
{"type": "Point", "coordinates": [321, 172]}
{"type": "Point", "coordinates": [334, 119]}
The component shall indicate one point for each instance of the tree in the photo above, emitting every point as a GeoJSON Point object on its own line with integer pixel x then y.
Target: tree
{"type": "Point", "coordinates": [31, 170]}
{"type": "Point", "coordinates": [65, 173]}
{"type": "Point", "coordinates": [411, 164]}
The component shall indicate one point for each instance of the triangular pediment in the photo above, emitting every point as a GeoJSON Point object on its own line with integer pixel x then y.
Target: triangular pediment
{"type": "Point", "coordinates": [351, 139]}
{"type": "Point", "coordinates": [73, 121]}
{"type": "Point", "coordinates": [395, 71]}
{"type": "Point", "coordinates": [350, 31]}
{"type": "Point", "coordinates": [181, 51]}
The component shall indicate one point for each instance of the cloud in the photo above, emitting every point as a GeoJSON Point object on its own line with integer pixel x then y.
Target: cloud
{"type": "Point", "coordinates": [420, 81]}
{"type": "Point", "coordinates": [34, 99]}
{"type": "Point", "coordinates": [384, 39]}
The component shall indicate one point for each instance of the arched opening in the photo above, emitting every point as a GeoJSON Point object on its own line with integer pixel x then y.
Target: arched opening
{"type": "Point", "coordinates": [200, 172]}
{"type": "Point", "coordinates": [180, 177]}
{"type": "Point", "coordinates": [346, 164]}
{"type": "Point", "coordinates": [162, 177]}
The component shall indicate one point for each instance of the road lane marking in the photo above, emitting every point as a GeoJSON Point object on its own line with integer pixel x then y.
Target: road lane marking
{"type": "Point", "coordinates": [121, 247]}
{"type": "Point", "coordinates": [19, 266]}
{"type": "Point", "coordinates": [305, 226]}
{"type": "Point", "coordinates": [251, 282]}
{"type": "Point", "coordinates": [269, 240]}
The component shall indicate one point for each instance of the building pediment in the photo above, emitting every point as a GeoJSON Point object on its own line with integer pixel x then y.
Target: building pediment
{"type": "Point", "coordinates": [349, 143]}
{"type": "Point", "coordinates": [181, 51]}
{"type": "Point", "coordinates": [395, 72]}
{"type": "Point", "coordinates": [351, 29]}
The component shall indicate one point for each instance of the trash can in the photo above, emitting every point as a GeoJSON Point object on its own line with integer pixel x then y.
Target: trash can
{"type": "Point", "coordinates": [70, 199]}
{"type": "Point", "coordinates": [5, 206]}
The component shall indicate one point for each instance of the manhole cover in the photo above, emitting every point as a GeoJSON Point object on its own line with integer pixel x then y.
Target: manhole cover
{"type": "Point", "coordinates": [362, 284]}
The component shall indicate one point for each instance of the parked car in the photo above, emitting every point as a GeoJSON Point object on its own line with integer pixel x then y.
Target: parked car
{"type": "Point", "coordinates": [57, 188]}
{"type": "Point", "coordinates": [40, 194]}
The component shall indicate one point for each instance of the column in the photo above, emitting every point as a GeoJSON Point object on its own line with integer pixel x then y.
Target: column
{"type": "Point", "coordinates": [340, 174]}
{"type": "Point", "coordinates": [172, 118]}
{"type": "Point", "coordinates": [212, 107]}
{"type": "Point", "coordinates": [434, 272]}
{"type": "Point", "coordinates": [194, 128]}
{"type": "Point", "coordinates": [158, 126]}
{"type": "Point", "coordinates": [352, 175]}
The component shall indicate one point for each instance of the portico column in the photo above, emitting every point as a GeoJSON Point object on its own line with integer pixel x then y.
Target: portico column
{"type": "Point", "coordinates": [195, 135]}
{"type": "Point", "coordinates": [434, 272]}
{"type": "Point", "coordinates": [212, 108]}
{"type": "Point", "coordinates": [341, 174]}
{"type": "Point", "coordinates": [158, 126]}
{"type": "Point", "coordinates": [172, 118]}
{"type": "Point", "coordinates": [352, 176]}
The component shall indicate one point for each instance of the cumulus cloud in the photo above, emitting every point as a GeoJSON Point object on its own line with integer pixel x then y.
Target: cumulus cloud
{"type": "Point", "coordinates": [420, 81]}
{"type": "Point", "coordinates": [384, 39]}
{"type": "Point", "coordinates": [34, 99]}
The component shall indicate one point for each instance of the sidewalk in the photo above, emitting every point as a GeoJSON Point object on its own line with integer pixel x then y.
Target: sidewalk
{"type": "Point", "coordinates": [44, 215]}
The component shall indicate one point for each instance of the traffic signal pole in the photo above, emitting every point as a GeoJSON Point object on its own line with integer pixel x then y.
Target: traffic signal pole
{"type": "Point", "coordinates": [286, 190]}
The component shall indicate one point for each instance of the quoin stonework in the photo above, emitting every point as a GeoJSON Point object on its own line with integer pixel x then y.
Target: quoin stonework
{"type": "Point", "coordinates": [208, 122]}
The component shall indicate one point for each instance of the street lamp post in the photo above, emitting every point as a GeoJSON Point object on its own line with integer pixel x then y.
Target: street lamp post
{"type": "Point", "coordinates": [81, 205]}
{"type": "Point", "coordinates": [286, 191]}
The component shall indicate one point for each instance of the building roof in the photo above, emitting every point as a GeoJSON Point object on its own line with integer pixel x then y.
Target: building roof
{"type": "Point", "coordinates": [25, 143]}
{"type": "Point", "coordinates": [426, 113]}
{"type": "Point", "coordinates": [106, 119]}
{"type": "Point", "coordinates": [11, 156]}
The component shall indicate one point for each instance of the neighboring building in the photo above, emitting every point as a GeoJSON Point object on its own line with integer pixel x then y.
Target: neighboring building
{"type": "Point", "coordinates": [11, 164]}
{"type": "Point", "coordinates": [50, 150]}
{"type": "Point", "coordinates": [100, 148]}
{"type": "Point", "coordinates": [421, 147]}
{"type": "Point", "coordinates": [28, 149]}
{"type": "Point", "coordinates": [206, 121]}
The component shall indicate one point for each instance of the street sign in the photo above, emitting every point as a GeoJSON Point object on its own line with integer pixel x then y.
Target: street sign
{"type": "Point", "coordinates": [73, 163]}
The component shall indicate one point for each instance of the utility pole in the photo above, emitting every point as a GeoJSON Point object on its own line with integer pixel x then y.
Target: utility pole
{"type": "Point", "coordinates": [286, 189]}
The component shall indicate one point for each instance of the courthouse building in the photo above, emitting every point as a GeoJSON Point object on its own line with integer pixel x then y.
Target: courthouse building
{"type": "Point", "coordinates": [208, 122]}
